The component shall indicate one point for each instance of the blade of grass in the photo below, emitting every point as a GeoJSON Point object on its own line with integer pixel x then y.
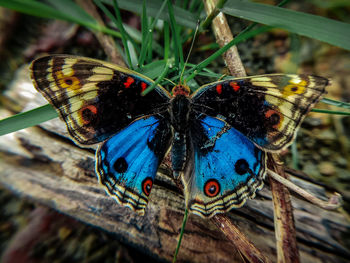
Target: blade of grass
{"type": "Point", "coordinates": [117, 21]}
{"type": "Point", "coordinates": [144, 30]}
{"type": "Point", "coordinates": [331, 112]}
{"type": "Point", "coordinates": [27, 119]}
{"type": "Point", "coordinates": [43, 10]}
{"type": "Point", "coordinates": [166, 40]}
{"type": "Point", "coordinates": [159, 79]}
{"type": "Point", "coordinates": [153, 69]}
{"type": "Point", "coordinates": [331, 31]}
{"type": "Point", "coordinates": [149, 54]}
{"type": "Point", "coordinates": [184, 17]}
{"type": "Point", "coordinates": [239, 38]}
{"type": "Point", "coordinates": [184, 221]}
{"type": "Point", "coordinates": [71, 9]}
{"type": "Point", "coordinates": [196, 5]}
{"type": "Point", "coordinates": [143, 52]}
{"type": "Point", "coordinates": [36, 8]}
{"type": "Point", "coordinates": [179, 59]}
{"type": "Point", "coordinates": [125, 36]}
{"type": "Point", "coordinates": [340, 104]}
{"type": "Point", "coordinates": [137, 36]}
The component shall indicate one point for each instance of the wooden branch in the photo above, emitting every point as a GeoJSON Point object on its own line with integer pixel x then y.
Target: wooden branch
{"type": "Point", "coordinates": [223, 36]}
{"type": "Point", "coordinates": [45, 166]}
{"type": "Point", "coordinates": [287, 247]}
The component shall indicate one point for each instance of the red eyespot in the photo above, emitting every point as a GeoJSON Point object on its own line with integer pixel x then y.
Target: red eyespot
{"type": "Point", "coordinates": [147, 186]}
{"type": "Point", "coordinates": [234, 86]}
{"type": "Point", "coordinates": [88, 113]}
{"type": "Point", "coordinates": [128, 82]}
{"type": "Point", "coordinates": [143, 86]}
{"type": "Point", "coordinates": [212, 188]}
{"type": "Point", "coordinates": [273, 117]}
{"type": "Point", "coordinates": [219, 89]}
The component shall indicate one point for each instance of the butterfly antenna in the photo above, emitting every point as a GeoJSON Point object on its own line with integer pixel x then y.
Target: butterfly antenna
{"type": "Point", "coordinates": [169, 80]}
{"type": "Point", "coordinates": [189, 53]}
{"type": "Point", "coordinates": [181, 234]}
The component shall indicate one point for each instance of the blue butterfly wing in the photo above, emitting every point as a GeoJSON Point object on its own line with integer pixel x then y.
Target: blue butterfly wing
{"type": "Point", "coordinates": [228, 168]}
{"type": "Point", "coordinates": [127, 163]}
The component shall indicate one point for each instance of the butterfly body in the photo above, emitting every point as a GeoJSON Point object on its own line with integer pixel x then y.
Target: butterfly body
{"type": "Point", "coordinates": [218, 135]}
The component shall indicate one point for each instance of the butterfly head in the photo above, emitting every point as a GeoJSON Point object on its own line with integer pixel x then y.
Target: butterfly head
{"type": "Point", "coordinates": [181, 89]}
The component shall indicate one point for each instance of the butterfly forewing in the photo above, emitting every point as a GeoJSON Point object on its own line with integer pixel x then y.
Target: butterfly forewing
{"type": "Point", "coordinates": [96, 99]}
{"type": "Point", "coordinates": [267, 109]}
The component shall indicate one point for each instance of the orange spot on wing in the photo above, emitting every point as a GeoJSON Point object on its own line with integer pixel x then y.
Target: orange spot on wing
{"type": "Point", "coordinates": [67, 81]}
{"type": "Point", "coordinates": [274, 117]}
{"type": "Point", "coordinates": [219, 89]}
{"type": "Point", "coordinates": [212, 188]}
{"type": "Point", "coordinates": [128, 82]}
{"type": "Point", "coordinates": [147, 186]}
{"type": "Point", "coordinates": [143, 86]}
{"type": "Point", "coordinates": [88, 113]}
{"type": "Point", "coordinates": [235, 86]}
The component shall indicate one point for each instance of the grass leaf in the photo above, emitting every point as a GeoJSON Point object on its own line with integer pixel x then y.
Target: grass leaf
{"type": "Point", "coordinates": [27, 119]}
{"type": "Point", "coordinates": [331, 31]}
{"type": "Point", "coordinates": [183, 17]}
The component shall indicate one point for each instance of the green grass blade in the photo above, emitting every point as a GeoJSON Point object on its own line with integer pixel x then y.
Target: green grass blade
{"type": "Point", "coordinates": [125, 36]}
{"type": "Point", "coordinates": [44, 10]}
{"type": "Point", "coordinates": [149, 53]}
{"type": "Point", "coordinates": [166, 40]}
{"type": "Point", "coordinates": [184, 17]}
{"type": "Point", "coordinates": [184, 221]}
{"type": "Point", "coordinates": [137, 36]}
{"type": "Point", "coordinates": [341, 104]}
{"type": "Point", "coordinates": [27, 119]}
{"type": "Point", "coordinates": [71, 9]}
{"type": "Point", "coordinates": [144, 31]}
{"type": "Point", "coordinates": [117, 21]}
{"type": "Point", "coordinates": [40, 9]}
{"type": "Point", "coordinates": [331, 31]}
{"type": "Point", "coordinates": [149, 33]}
{"type": "Point", "coordinates": [159, 79]}
{"type": "Point", "coordinates": [153, 69]}
{"type": "Point", "coordinates": [332, 112]}
{"type": "Point", "coordinates": [235, 41]}
{"type": "Point", "coordinates": [179, 58]}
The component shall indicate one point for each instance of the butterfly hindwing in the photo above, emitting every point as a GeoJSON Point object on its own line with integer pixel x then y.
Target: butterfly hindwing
{"type": "Point", "coordinates": [267, 109]}
{"type": "Point", "coordinates": [96, 99]}
{"type": "Point", "coordinates": [228, 168]}
{"type": "Point", "coordinates": [127, 163]}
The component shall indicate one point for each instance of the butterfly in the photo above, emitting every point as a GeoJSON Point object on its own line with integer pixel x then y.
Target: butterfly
{"type": "Point", "coordinates": [219, 136]}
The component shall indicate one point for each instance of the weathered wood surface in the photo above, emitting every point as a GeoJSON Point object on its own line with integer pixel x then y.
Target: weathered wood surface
{"type": "Point", "coordinates": [41, 164]}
